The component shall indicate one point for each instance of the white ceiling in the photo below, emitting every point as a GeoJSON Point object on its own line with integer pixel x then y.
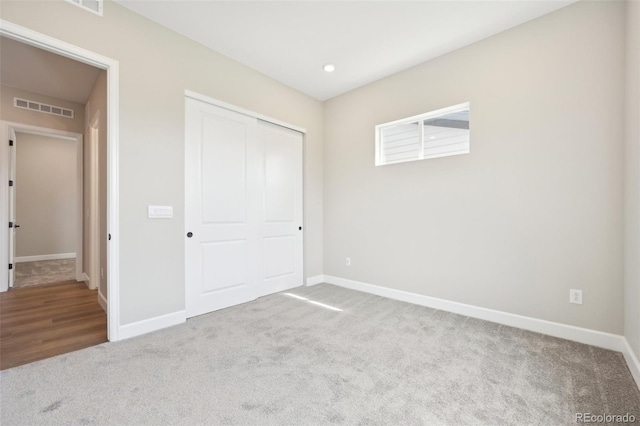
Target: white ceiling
{"type": "Point", "coordinates": [29, 68]}
{"type": "Point", "coordinates": [367, 40]}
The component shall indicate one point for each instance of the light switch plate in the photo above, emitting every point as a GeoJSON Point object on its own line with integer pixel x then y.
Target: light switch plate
{"type": "Point", "coordinates": [160, 212]}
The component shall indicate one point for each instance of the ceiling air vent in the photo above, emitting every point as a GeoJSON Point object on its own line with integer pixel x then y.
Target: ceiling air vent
{"type": "Point", "coordinates": [37, 106]}
{"type": "Point", "coordinates": [94, 6]}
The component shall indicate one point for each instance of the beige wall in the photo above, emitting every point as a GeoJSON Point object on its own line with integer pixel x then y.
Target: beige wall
{"type": "Point", "coordinates": [97, 107]}
{"type": "Point", "coordinates": [19, 115]}
{"type": "Point", "coordinates": [156, 66]}
{"type": "Point", "coordinates": [46, 195]}
{"type": "Point", "coordinates": [534, 210]}
{"type": "Point", "coordinates": [632, 180]}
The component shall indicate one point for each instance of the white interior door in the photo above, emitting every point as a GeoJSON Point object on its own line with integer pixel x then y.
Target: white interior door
{"type": "Point", "coordinates": [12, 206]}
{"type": "Point", "coordinates": [281, 226]}
{"type": "Point", "coordinates": [243, 208]}
{"type": "Point", "coordinates": [221, 208]}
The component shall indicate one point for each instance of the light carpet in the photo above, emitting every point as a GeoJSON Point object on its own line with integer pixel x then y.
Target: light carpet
{"type": "Point", "coordinates": [285, 360]}
{"type": "Point", "coordinates": [44, 272]}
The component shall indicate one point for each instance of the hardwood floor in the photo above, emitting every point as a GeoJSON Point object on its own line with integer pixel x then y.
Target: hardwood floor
{"type": "Point", "coordinates": [41, 322]}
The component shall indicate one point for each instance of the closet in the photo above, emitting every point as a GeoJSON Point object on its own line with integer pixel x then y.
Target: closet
{"type": "Point", "coordinates": [243, 207]}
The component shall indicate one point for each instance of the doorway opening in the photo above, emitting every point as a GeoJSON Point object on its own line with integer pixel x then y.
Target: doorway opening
{"type": "Point", "coordinates": [45, 207]}
{"type": "Point", "coordinates": [98, 211]}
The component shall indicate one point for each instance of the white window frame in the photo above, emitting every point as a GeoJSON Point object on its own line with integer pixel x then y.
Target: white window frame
{"type": "Point", "coordinates": [419, 118]}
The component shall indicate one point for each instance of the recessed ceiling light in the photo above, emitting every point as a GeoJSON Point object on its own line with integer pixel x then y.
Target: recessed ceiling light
{"type": "Point", "coordinates": [329, 67]}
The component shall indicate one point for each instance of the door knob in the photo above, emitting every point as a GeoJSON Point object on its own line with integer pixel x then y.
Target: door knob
{"type": "Point", "coordinates": [189, 234]}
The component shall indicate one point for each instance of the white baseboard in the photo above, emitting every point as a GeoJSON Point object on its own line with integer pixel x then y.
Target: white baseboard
{"type": "Point", "coordinates": [102, 301]}
{"type": "Point", "coordinates": [583, 335]}
{"type": "Point", "coordinates": [87, 280]}
{"type": "Point", "coordinates": [19, 259]}
{"type": "Point", "coordinates": [152, 324]}
{"type": "Point", "coordinates": [318, 279]}
{"type": "Point", "coordinates": [632, 361]}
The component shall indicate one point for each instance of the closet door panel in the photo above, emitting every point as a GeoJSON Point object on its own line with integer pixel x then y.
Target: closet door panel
{"type": "Point", "coordinates": [221, 212]}
{"type": "Point", "coordinates": [281, 231]}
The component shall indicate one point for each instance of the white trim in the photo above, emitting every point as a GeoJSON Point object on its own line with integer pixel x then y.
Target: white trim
{"type": "Point", "coordinates": [216, 102]}
{"type": "Point", "coordinates": [79, 206]}
{"type": "Point", "coordinates": [36, 258]}
{"type": "Point", "coordinates": [113, 201]}
{"type": "Point", "coordinates": [50, 44]}
{"type": "Point", "coordinates": [102, 301]}
{"type": "Point", "coordinates": [87, 280]}
{"type": "Point", "coordinates": [563, 331]}
{"type": "Point", "coordinates": [11, 204]}
{"type": "Point", "coordinates": [318, 279]}
{"type": "Point", "coordinates": [152, 324]}
{"type": "Point", "coordinates": [632, 361]}
{"type": "Point", "coordinates": [94, 199]}
{"type": "Point", "coordinates": [43, 131]}
{"type": "Point", "coordinates": [42, 41]}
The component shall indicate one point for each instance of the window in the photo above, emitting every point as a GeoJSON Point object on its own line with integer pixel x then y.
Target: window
{"type": "Point", "coordinates": [434, 134]}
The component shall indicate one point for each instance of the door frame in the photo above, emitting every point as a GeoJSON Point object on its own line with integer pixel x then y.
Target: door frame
{"type": "Point", "coordinates": [11, 207]}
{"type": "Point", "coordinates": [94, 202]}
{"type": "Point", "coordinates": [62, 48]}
{"type": "Point", "coordinates": [8, 127]}
{"type": "Point", "coordinates": [212, 101]}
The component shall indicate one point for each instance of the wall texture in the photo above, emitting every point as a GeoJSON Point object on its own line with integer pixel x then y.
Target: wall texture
{"type": "Point", "coordinates": [97, 107]}
{"type": "Point", "coordinates": [19, 115]}
{"type": "Point", "coordinates": [46, 195]}
{"type": "Point", "coordinates": [534, 210]}
{"type": "Point", "coordinates": [156, 66]}
{"type": "Point", "coordinates": [632, 179]}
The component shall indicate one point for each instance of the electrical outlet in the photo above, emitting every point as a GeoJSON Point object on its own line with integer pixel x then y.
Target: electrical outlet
{"type": "Point", "coordinates": [575, 296]}
{"type": "Point", "coordinates": [348, 261]}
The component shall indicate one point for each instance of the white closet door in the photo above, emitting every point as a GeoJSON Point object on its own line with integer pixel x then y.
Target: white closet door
{"type": "Point", "coordinates": [243, 208]}
{"type": "Point", "coordinates": [281, 225]}
{"type": "Point", "coordinates": [222, 206]}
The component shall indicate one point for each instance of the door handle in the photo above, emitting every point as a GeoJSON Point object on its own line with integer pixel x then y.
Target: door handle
{"type": "Point", "coordinates": [16, 226]}
{"type": "Point", "coordinates": [189, 234]}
